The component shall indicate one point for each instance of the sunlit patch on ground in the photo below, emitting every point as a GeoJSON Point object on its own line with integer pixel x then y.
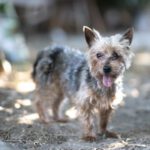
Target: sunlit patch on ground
{"type": "Point", "coordinates": [25, 87]}
{"type": "Point", "coordinates": [28, 119]}
{"type": "Point", "coordinates": [116, 145]}
{"type": "Point", "coordinates": [24, 82]}
{"type": "Point", "coordinates": [22, 102]}
{"type": "Point", "coordinates": [21, 81]}
{"type": "Point", "coordinates": [72, 113]}
{"type": "Point", "coordinates": [8, 110]}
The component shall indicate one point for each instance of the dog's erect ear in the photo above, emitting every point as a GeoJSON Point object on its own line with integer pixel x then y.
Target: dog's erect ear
{"type": "Point", "coordinates": [90, 35]}
{"type": "Point", "coordinates": [128, 35]}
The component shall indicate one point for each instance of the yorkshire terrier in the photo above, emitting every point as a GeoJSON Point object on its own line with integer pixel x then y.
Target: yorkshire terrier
{"type": "Point", "coordinates": [91, 81]}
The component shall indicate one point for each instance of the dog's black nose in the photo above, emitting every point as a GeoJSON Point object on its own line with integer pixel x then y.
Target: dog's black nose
{"type": "Point", "coordinates": [107, 69]}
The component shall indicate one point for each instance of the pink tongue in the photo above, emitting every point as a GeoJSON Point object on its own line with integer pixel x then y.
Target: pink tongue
{"type": "Point", "coordinates": [107, 81]}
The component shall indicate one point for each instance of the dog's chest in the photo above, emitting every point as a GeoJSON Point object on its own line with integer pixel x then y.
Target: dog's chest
{"type": "Point", "coordinates": [102, 99]}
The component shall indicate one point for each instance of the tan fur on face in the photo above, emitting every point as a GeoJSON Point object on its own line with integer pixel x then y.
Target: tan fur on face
{"type": "Point", "coordinates": [108, 46]}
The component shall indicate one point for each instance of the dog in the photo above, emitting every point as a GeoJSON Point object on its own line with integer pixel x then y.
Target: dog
{"type": "Point", "coordinates": [91, 80]}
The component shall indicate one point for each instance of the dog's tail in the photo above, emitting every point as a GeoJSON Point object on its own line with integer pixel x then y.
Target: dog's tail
{"type": "Point", "coordinates": [36, 63]}
{"type": "Point", "coordinates": [44, 64]}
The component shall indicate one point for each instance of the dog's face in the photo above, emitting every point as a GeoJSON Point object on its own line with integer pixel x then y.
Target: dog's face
{"type": "Point", "coordinates": [108, 56]}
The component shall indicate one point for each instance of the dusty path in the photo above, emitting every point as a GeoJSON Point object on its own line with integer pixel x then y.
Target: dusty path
{"type": "Point", "coordinates": [20, 128]}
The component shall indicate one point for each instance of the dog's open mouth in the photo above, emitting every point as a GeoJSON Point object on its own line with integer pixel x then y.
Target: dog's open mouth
{"type": "Point", "coordinates": [107, 80]}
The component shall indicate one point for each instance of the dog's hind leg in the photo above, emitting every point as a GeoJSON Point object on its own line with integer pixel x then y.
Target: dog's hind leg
{"type": "Point", "coordinates": [42, 111]}
{"type": "Point", "coordinates": [55, 108]}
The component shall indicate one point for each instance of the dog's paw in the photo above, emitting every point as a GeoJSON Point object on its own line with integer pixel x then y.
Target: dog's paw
{"type": "Point", "coordinates": [62, 120]}
{"type": "Point", "coordinates": [45, 120]}
{"type": "Point", "coordinates": [108, 134]}
{"type": "Point", "coordinates": [89, 138]}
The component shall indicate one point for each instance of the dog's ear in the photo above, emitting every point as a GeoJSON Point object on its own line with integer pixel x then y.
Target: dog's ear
{"type": "Point", "coordinates": [90, 35]}
{"type": "Point", "coordinates": [128, 35]}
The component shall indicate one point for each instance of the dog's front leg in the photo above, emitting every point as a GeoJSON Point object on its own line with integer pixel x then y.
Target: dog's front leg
{"type": "Point", "coordinates": [104, 118]}
{"type": "Point", "coordinates": [88, 124]}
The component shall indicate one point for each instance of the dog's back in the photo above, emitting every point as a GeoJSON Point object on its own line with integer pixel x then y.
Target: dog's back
{"type": "Point", "coordinates": [65, 64]}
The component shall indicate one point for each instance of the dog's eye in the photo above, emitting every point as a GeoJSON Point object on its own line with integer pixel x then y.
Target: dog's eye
{"type": "Point", "coordinates": [114, 56]}
{"type": "Point", "coordinates": [99, 55]}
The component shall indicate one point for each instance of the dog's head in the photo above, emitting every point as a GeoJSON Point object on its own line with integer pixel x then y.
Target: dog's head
{"type": "Point", "coordinates": [108, 57]}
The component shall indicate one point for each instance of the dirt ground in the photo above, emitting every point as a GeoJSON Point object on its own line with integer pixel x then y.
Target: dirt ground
{"type": "Point", "coordinates": [20, 128]}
